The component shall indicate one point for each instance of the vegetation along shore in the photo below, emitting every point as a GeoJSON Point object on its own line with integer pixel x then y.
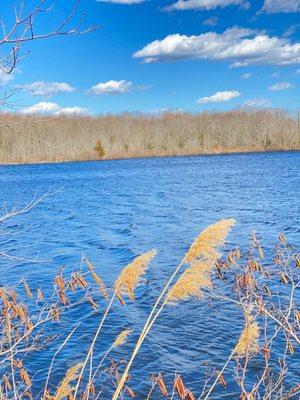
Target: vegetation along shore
{"type": "Point", "coordinates": [37, 139]}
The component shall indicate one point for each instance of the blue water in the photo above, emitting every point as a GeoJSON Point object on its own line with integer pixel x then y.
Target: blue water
{"type": "Point", "coordinates": [114, 210]}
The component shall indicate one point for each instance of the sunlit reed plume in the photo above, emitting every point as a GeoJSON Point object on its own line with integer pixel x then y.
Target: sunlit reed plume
{"type": "Point", "coordinates": [191, 283]}
{"type": "Point", "coordinates": [65, 389]}
{"type": "Point", "coordinates": [248, 341]}
{"type": "Point", "coordinates": [207, 243]}
{"type": "Point", "coordinates": [130, 276]}
{"type": "Point", "coordinates": [122, 337]}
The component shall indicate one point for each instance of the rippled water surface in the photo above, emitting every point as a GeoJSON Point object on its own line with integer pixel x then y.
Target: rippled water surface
{"type": "Point", "coordinates": [114, 210]}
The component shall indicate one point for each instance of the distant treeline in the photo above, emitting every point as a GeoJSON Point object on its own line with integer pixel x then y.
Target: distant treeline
{"type": "Point", "coordinates": [29, 139]}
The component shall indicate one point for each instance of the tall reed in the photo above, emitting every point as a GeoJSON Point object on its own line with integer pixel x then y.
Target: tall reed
{"type": "Point", "coordinates": [204, 248]}
{"type": "Point", "coordinates": [124, 285]}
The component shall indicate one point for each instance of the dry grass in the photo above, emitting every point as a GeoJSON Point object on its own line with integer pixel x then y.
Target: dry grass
{"type": "Point", "coordinates": [41, 139]}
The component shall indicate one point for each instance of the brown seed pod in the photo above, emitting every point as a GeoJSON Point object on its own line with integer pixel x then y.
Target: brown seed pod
{"type": "Point", "coordinates": [162, 386]}
{"type": "Point", "coordinates": [179, 385]}
{"type": "Point", "coordinates": [40, 295]}
{"type": "Point", "coordinates": [27, 289]}
{"type": "Point", "coordinates": [130, 392]}
{"type": "Point", "coordinates": [81, 281]}
{"type": "Point", "coordinates": [63, 298]}
{"type": "Point", "coordinates": [60, 282]}
{"type": "Point", "coordinates": [189, 395]}
{"type": "Point", "coordinates": [25, 377]}
{"type": "Point", "coordinates": [221, 379]}
{"type": "Point", "coordinates": [101, 284]}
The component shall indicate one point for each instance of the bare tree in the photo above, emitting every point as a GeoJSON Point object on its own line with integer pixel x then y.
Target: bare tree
{"type": "Point", "coordinates": [23, 30]}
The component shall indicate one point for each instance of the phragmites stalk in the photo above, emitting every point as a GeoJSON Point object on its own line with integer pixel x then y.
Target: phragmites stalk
{"type": "Point", "coordinates": [248, 341]}
{"type": "Point", "coordinates": [207, 243]}
{"type": "Point", "coordinates": [122, 337]}
{"type": "Point", "coordinates": [130, 276]}
{"type": "Point", "coordinates": [191, 283]}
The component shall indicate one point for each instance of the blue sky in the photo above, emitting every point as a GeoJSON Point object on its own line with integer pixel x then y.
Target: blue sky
{"type": "Point", "coordinates": [192, 55]}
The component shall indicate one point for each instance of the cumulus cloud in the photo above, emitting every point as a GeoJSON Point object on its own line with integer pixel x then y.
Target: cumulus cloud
{"type": "Point", "coordinates": [281, 6]}
{"type": "Point", "coordinates": [40, 88]}
{"type": "Point", "coordinates": [121, 1]}
{"type": "Point", "coordinates": [212, 21]}
{"type": "Point", "coordinates": [4, 78]}
{"type": "Point", "coordinates": [219, 97]}
{"type": "Point", "coordinates": [281, 86]}
{"type": "Point", "coordinates": [240, 46]}
{"type": "Point", "coordinates": [204, 4]}
{"type": "Point", "coordinates": [247, 75]}
{"type": "Point", "coordinates": [47, 107]}
{"type": "Point", "coordinates": [258, 103]}
{"type": "Point", "coordinates": [111, 87]}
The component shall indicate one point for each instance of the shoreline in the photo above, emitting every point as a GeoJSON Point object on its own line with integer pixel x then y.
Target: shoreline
{"type": "Point", "coordinates": [188, 154]}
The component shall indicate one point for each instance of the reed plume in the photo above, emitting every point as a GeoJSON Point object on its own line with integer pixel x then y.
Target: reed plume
{"type": "Point", "coordinates": [191, 283]}
{"type": "Point", "coordinates": [122, 337]}
{"type": "Point", "coordinates": [130, 276]}
{"type": "Point", "coordinates": [207, 243]}
{"type": "Point", "coordinates": [65, 389]}
{"type": "Point", "coordinates": [201, 256]}
{"type": "Point", "coordinates": [248, 341]}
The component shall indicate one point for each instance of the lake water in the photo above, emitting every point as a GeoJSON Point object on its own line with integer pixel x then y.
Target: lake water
{"type": "Point", "coordinates": [115, 210]}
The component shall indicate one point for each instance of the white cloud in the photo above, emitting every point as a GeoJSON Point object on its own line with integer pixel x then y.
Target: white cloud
{"type": "Point", "coordinates": [44, 107]}
{"type": "Point", "coordinates": [4, 78]}
{"type": "Point", "coordinates": [241, 46]}
{"type": "Point", "coordinates": [281, 6]}
{"type": "Point", "coordinates": [219, 97]}
{"type": "Point", "coordinates": [166, 110]}
{"type": "Point", "coordinates": [111, 87]}
{"type": "Point", "coordinates": [40, 88]}
{"type": "Point", "coordinates": [259, 102]}
{"type": "Point", "coordinates": [121, 1]}
{"type": "Point", "coordinates": [281, 86]}
{"type": "Point", "coordinates": [73, 110]}
{"type": "Point", "coordinates": [47, 107]}
{"type": "Point", "coordinates": [247, 75]}
{"type": "Point", "coordinates": [204, 4]}
{"type": "Point", "coordinates": [275, 75]}
{"type": "Point", "coordinates": [212, 21]}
